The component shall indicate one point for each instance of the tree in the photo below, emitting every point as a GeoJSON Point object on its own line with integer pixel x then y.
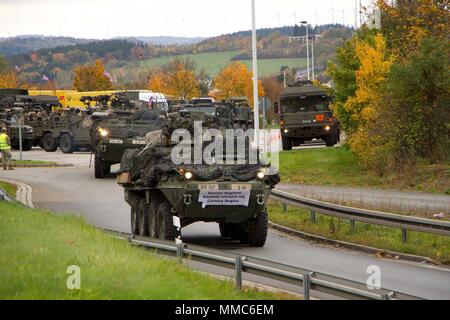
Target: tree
{"type": "Point", "coordinates": [4, 64]}
{"type": "Point", "coordinates": [9, 80]}
{"type": "Point", "coordinates": [236, 80]}
{"type": "Point", "coordinates": [406, 23]}
{"type": "Point", "coordinates": [178, 78]}
{"type": "Point", "coordinates": [91, 78]}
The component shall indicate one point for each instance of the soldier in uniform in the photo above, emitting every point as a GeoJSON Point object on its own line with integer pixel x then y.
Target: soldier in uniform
{"type": "Point", "coordinates": [5, 150]}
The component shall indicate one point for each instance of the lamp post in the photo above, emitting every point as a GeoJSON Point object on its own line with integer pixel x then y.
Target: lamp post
{"type": "Point", "coordinates": [255, 77]}
{"type": "Point", "coordinates": [307, 47]}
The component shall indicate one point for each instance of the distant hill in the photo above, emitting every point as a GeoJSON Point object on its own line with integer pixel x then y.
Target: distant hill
{"type": "Point", "coordinates": [165, 41]}
{"type": "Point", "coordinates": [28, 43]}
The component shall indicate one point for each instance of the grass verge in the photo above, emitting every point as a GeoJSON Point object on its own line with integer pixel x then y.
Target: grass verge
{"type": "Point", "coordinates": [339, 167]}
{"type": "Point", "coordinates": [32, 162]}
{"type": "Point", "coordinates": [37, 248]}
{"type": "Point", "coordinates": [9, 188]}
{"type": "Point", "coordinates": [422, 244]}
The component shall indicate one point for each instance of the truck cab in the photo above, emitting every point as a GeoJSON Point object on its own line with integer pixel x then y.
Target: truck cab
{"type": "Point", "coordinates": [305, 114]}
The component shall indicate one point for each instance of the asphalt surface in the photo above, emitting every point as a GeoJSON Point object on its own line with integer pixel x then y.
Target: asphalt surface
{"type": "Point", "coordinates": [74, 190]}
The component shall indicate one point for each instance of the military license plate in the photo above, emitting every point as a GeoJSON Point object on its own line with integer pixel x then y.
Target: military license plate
{"type": "Point", "coordinates": [208, 186]}
{"type": "Point", "coordinates": [138, 142]}
{"type": "Point", "coordinates": [241, 186]}
{"type": "Point", "coordinates": [115, 141]}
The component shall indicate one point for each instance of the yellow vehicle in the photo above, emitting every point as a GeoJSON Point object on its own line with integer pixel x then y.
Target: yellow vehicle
{"type": "Point", "coordinates": [69, 98]}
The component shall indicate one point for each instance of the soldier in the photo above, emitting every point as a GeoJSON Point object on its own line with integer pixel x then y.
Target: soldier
{"type": "Point", "coordinates": [5, 150]}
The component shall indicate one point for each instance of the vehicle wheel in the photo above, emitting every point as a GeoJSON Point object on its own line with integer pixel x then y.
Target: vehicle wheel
{"type": "Point", "coordinates": [153, 219]}
{"type": "Point", "coordinates": [101, 168]}
{"type": "Point", "coordinates": [7, 102]}
{"type": "Point", "coordinates": [49, 143]}
{"type": "Point", "coordinates": [166, 230]}
{"type": "Point", "coordinates": [257, 234]}
{"type": "Point", "coordinates": [66, 143]}
{"type": "Point", "coordinates": [329, 140]}
{"type": "Point", "coordinates": [134, 218]}
{"type": "Point", "coordinates": [142, 216]}
{"type": "Point", "coordinates": [27, 145]}
{"type": "Point", "coordinates": [287, 143]}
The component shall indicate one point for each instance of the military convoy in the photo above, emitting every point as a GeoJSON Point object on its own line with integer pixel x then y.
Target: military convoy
{"type": "Point", "coordinates": [166, 193]}
{"type": "Point", "coordinates": [10, 119]}
{"type": "Point", "coordinates": [305, 115]}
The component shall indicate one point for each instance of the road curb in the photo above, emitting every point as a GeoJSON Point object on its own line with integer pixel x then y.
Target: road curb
{"type": "Point", "coordinates": [353, 246]}
{"type": "Point", "coordinates": [24, 193]}
{"type": "Point", "coordinates": [42, 165]}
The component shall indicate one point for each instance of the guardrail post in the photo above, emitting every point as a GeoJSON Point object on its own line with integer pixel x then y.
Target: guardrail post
{"type": "Point", "coordinates": [2, 197]}
{"type": "Point", "coordinates": [284, 207]}
{"type": "Point", "coordinates": [238, 272]}
{"type": "Point", "coordinates": [313, 217]}
{"type": "Point", "coordinates": [180, 252]}
{"type": "Point", "coordinates": [353, 224]}
{"type": "Point", "coordinates": [404, 235]}
{"type": "Point", "coordinates": [307, 285]}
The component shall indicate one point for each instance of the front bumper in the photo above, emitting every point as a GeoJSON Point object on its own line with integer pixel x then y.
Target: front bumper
{"type": "Point", "coordinates": [307, 131]}
{"type": "Point", "coordinates": [112, 149]}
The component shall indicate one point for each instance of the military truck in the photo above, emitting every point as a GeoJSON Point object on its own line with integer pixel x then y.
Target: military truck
{"type": "Point", "coordinates": [9, 119]}
{"type": "Point", "coordinates": [122, 127]}
{"type": "Point", "coordinates": [7, 97]}
{"type": "Point", "coordinates": [305, 115]}
{"type": "Point", "coordinates": [159, 192]}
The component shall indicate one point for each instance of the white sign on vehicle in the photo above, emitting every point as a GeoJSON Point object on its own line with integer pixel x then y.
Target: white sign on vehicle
{"type": "Point", "coordinates": [224, 198]}
{"type": "Point", "coordinates": [140, 142]}
{"type": "Point", "coordinates": [115, 141]}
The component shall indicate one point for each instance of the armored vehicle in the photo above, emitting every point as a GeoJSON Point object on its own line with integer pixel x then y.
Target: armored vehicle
{"type": "Point", "coordinates": [166, 196]}
{"type": "Point", "coordinates": [123, 126]}
{"type": "Point", "coordinates": [305, 115]}
{"type": "Point", "coordinates": [7, 97]}
{"type": "Point", "coordinates": [10, 120]}
{"type": "Point", "coordinates": [242, 113]}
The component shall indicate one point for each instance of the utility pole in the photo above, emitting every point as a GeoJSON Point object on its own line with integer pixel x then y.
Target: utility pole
{"type": "Point", "coordinates": [312, 62]}
{"type": "Point", "coordinates": [356, 14]}
{"type": "Point", "coordinates": [307, 47]}
{"type": "Point", "coordinates": [255, 76]}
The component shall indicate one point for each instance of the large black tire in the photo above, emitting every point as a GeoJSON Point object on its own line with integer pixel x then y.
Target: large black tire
{"type": "Point", "coordinates": [257, 234]}
{"type": "Point", "coordinates": [101, 168]}
{"type": "Point", "coordinates": [66, 143]}
{"type": "Point", "coordinates": [166, 229]}
{"type": "Point", "coordinates": [27, 145]}
{"type": "Point", "coordinates": [142, 216]}
{"type": "Point", "coordinates": [287, 143]}
{"type": "Point", "coordinates": [133, 217]}
{"type": "Point", "coordinates": [49, 143]}
{"type": "Point", "coordinates": [153, 219]}
{"type": "Point", "coordinates": [330, 140]}
{"type": "Point", "coordinates": [7, 102]}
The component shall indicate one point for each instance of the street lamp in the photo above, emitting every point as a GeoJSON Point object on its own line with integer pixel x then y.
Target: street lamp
{"type": "Point", "coordinates": [255, 77]}
{"type": "Point", "coordinates": [307, 45]}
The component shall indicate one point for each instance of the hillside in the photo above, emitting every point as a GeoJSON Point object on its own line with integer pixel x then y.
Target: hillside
{"type": "Point", "coordinates": [128, 59]}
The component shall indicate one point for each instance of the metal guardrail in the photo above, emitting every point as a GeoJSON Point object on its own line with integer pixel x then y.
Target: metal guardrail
{"type": "Point", "coordinates": [308, 279]}
{"type": "Point", "coordinates": [363, 215]}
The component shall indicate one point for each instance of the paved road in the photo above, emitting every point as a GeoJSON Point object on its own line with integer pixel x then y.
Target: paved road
{"type": "Point", "coordinates": [101, 203]}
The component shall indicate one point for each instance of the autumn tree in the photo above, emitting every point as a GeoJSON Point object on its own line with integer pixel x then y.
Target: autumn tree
{"type": "Point", "coordinates": [178, 78]}
{"type": "Point", "coordinates": [406, 23]}
{"type": "Point", "coordinates": [236, 80]}
{"type": "Point", "coordinates": [91, 78]}
{"type": "Point", "coordinates": [9, 80]}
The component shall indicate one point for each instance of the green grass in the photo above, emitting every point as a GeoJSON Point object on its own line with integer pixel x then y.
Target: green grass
{"type": "Point", "coordinates": [339, 167]}
{"type": "Point", "coordinates": [37, 248]}
{"type": "Point", "coordinates": [32, 162]}
{"type": "Point", "coordinates": [423, 244]}
{"type": "Point", "coordinates": [9, 188]}
{"type": "Point", "coordinates": [213, 62]}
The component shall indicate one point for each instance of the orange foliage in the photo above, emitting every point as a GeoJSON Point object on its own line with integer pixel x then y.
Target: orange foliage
{"type": "Point", "coordinates": [91, 78]}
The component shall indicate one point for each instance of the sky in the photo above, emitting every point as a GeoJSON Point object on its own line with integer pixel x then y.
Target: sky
{"type": "Point", "coordinates": [103, 19]}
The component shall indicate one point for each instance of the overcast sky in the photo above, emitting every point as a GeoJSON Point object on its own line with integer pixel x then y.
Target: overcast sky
{"type": "Point", "coordinates": [102, 19]}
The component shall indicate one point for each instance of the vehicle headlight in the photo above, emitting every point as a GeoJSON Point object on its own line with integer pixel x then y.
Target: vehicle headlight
{"type": "Point", "coordinates": [260, 175]}
{"type": "Point", "coordinates": [286, 130]}
{"type": "Point", "coordinates": [327, 128]}
{"type": "Point", "coordinates": [188, 175]}
{"type": "Point", "coordinates": [104, 133]}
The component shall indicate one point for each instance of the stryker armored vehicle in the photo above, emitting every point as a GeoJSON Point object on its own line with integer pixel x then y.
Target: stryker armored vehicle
{"type": "Point", "coordinates": [305, 115]}
{"type": "Point", "coordinates": [231, 188]}
{"type": "Point", "coordinates": [122, 126]}
{"type": "Point", "coordinates": [9, 119]}
{"type": "Point", "coordinates": [242, 113]}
